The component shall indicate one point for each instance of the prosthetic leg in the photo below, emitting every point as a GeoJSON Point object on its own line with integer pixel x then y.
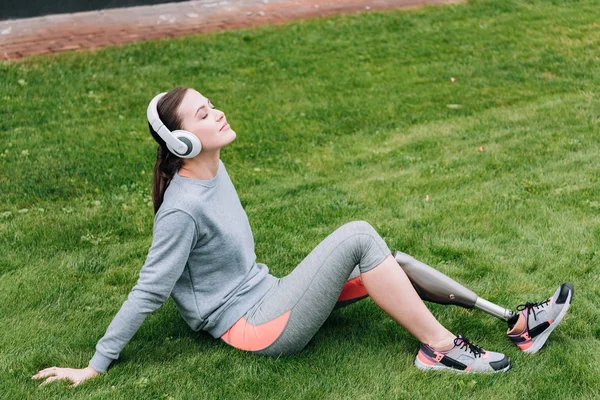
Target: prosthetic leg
{"type": "Point", "coordinates": [433, 286]}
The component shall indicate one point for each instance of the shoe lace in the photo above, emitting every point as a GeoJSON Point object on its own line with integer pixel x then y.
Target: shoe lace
{"type": "Point", "coordinates": [467, 345]}
{"type": "Point", "coordinates": [530, 306]}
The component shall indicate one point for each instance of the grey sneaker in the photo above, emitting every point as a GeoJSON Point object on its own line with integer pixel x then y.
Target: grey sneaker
{"type": "Point", "coordinates": [463, 357]}
{"type": "Point", "coordinates": [542, 318]}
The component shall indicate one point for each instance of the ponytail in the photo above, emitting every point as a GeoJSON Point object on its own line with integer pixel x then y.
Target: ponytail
{"type": "Point", "coordinates": [164, 170]}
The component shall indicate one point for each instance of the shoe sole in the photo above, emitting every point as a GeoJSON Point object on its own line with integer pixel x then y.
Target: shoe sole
{"type": "Point", "coordinates": [541, 339]}
{"type": "Point", "coordinates": [424, 367]}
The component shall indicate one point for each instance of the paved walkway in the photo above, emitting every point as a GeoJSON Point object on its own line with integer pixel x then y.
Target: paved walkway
{"type": "Point", "coordinates": [90, 30]}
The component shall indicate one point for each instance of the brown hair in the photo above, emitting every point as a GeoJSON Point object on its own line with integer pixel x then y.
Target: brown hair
{"type": "Point", "coordinates": [166, 162]}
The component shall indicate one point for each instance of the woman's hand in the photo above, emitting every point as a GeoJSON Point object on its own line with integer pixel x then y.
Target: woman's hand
{"type": "Point", "coordinates": [74, 375]}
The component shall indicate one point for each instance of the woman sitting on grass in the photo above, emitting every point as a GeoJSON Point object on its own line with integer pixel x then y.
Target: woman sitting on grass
{"type": "Point", "coordinates": [202, 254]}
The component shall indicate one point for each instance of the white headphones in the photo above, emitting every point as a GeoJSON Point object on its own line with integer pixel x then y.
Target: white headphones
{"type": "Point", "coordinates": [183, 144]}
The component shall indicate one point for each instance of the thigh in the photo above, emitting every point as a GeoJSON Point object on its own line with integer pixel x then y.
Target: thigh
{"type": "Point", "coordinates": [285, 319]}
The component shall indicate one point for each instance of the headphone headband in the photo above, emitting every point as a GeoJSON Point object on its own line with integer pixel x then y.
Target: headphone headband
{"type": "Point", "coordinates": [159, 127]}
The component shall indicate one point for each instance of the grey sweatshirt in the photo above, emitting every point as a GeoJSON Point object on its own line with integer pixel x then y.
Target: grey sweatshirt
{"type": "Point", "coordinates": [202, 255]}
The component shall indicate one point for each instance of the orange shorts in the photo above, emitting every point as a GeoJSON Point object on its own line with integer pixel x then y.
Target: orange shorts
{"type": "Point", "coordinates": [245, 336]}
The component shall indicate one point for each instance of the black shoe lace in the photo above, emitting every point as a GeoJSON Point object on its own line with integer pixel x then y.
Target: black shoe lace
{"type": "Point", "coordinates": [531, 307]}
{"type": "Point", "coordinates": [466, 344]}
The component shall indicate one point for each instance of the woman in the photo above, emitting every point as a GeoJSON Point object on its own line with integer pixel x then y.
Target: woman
{"type": "Point", "coordinates": [202, 254]}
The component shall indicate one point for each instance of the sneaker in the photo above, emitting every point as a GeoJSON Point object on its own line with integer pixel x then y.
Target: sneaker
{"type": "Point", "coordinates": [463, 357]}
{"type": "Point", "coordinates": [541, 319]}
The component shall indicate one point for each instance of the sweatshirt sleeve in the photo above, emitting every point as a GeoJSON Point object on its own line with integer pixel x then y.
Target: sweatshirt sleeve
{"type": "Point", "coordinates": [174, 238]}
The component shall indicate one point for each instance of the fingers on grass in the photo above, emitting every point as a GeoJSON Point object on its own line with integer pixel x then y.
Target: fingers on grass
{"type": "Point", "coordinates": [51, 379]}
{"type": "Point", "coordinates": [46, 370]}
{"type": "Point", "coordinates": [42, 374]}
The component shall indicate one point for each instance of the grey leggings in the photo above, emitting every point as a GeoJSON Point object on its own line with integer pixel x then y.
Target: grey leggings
{"type": "Point", "coordinates": [289, 315]}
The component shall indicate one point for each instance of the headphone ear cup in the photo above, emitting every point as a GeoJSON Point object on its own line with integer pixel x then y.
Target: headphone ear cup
{"type": "Point", "coordinates": [193, 144]}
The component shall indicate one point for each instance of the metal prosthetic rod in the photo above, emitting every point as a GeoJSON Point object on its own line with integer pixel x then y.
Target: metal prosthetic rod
{"type": "Point", "coordinates": [433, 286]}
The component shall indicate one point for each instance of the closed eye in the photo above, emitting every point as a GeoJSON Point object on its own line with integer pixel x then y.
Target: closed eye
{"type": "Point", "coordinates": [212, 106]}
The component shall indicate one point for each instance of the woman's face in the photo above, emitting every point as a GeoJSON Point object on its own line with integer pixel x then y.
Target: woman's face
{"type": "Point", "coordinates": [200, 117]}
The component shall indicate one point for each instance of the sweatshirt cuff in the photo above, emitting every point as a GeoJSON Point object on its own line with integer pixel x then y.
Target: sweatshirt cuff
{"type": "Point", "coordinates": [100, 362]}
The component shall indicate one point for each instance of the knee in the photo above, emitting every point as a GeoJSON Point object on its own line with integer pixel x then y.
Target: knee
{"type": "Point", "coordinates": [360, 227]}
{"type": "Point", "coordinates": [359, 230]}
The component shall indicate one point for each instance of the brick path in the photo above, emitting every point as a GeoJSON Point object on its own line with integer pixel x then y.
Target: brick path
{"type": "Point", "coordinates": [94, 29]}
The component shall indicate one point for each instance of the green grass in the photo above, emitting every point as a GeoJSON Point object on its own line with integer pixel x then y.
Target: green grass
{"type": "Point", "coordinates": [338, 119]}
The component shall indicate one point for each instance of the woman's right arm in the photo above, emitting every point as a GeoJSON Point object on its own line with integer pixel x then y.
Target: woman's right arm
{"type": "Point", "coordinates": [175, 236]}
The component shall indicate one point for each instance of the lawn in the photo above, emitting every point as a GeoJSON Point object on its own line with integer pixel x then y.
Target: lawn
{"type": "Point", "coordinates": [350, 117]}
